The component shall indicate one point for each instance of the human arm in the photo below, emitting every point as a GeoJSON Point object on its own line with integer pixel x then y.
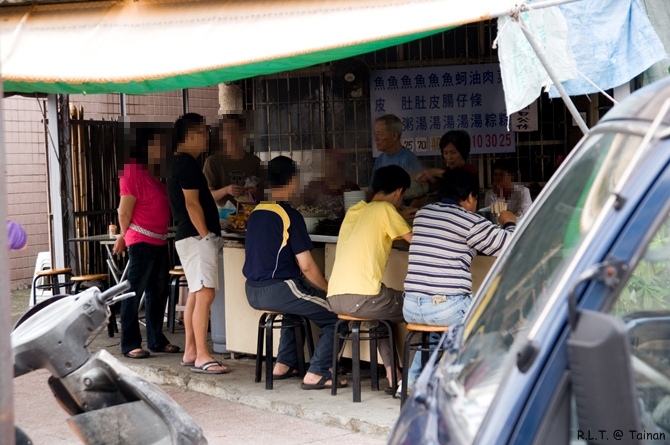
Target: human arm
{"type": "Point", "coordinates": [430, 174]}
{"type": "Point", "coordinates": [195, 212]}
{"type": "Point", "coordinates": [228, 191]}
{"type": "Point", "coordinates": [408, 212]}
{"type": "Point", "coordinates": [489, 239]}
{"type": "Point", "coordinates": [311, 270]}
{"type": "Point", "coordinates": [125, 211]}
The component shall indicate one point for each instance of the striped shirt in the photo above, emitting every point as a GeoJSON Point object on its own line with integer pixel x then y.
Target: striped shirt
{"type": "Point", "coordinates": [445, 239]}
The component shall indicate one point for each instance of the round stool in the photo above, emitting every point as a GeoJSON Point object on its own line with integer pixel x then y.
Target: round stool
{"type": "Point", "coordinates": [177, 281]}
{"type": "Point", "coordinates": [423, 346]}
{"type": "Point", "coordinates": [101, 278]}
{"type": "Point", "coordinates": [49, 280]}
{"type": "Point", "coordinates": [372, 334]}
{"type": "Point", "coordinates": [266, 324]}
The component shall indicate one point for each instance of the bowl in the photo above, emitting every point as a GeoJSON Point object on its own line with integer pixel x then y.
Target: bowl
{"type": "Point", "coordinates": [311, 222]}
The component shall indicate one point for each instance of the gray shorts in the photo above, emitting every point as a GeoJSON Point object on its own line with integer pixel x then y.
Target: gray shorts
{"type": "Point", "coordinates": [386, 305]}
{"type": "Point", "coordinates": [200, 260]}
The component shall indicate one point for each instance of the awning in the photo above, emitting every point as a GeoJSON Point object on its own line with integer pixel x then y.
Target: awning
{"type": "Point", "coordinates": [145, 46]}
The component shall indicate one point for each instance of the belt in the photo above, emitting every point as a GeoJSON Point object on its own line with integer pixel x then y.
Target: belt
{"type": "Point", "coordinates": [148, 233]}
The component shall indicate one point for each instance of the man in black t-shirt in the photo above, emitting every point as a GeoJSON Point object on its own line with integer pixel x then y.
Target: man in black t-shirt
{"type": "Point", "coordinates": [278, 254]}
{"type": "Point", "coordinates": [198, 238]}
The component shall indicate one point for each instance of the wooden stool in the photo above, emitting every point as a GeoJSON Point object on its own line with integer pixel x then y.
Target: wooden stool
{"type": "Point", "coordinates": [267, 323]}
{"type": "Point", "coordinates": [177, 281]}
{"type": "Point", "coordinates": [51, 278]}
{"type": "Point", "coordinates": [102, 278]}
{"type": "Point", "coordinates": [354, 334]}
{"type": "Point", "coordinates": [423, 346]}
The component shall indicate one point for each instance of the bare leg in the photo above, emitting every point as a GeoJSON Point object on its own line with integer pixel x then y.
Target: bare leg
{"type": "Point", "coordinates": [199, 321]}
{"type": "Point", "coordinates": [189, 348]}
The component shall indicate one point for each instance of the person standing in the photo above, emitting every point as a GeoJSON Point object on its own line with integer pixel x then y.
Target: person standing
{"type": "Point", "coordinates": [197, 240]}
{"type": "Point", "coordinates": [144, 215]}
{"type": "Point", "coordinates": [387, 133]}
{"type": "Point", "coordinates": [235, 174]}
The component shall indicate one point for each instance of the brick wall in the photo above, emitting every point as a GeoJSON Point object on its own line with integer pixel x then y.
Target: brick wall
{"type": "Point", "coordinates": [26, 156]}
{"type": "Point", "coordinates": [27, 192]}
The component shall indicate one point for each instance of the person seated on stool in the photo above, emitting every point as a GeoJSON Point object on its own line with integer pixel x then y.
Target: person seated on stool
{"type": "Point", "coordinates": [363, 250]}
{"type": "Point", "coordinates": [144, 215]}
{"type": "Point", "coordinates": [446, 237]}
{"type": "Point", "coordinates": [283, 277]}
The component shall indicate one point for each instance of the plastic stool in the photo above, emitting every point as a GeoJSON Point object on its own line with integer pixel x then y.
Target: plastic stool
{"type": "Point", "coordinates": [354, 334]}
{"type": "Point", "coordinates": [51, 276]}
{"type": "Point", "coordinates": [176, 282]}
{"type": "Point", "coordinates": [102, 278]}
{"type": "Point", "coordinates": [423, 347]}
{"type": "Point", "coordinates": [267, 323]}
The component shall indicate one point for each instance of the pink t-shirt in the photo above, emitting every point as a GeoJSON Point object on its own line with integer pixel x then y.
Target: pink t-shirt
{"type": "Point", "coordinates": [152, 208]}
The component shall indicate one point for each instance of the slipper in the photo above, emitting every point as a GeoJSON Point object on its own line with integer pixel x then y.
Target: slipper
{"type": "Point", "coordinates": [321, 384]}
{"type": "Point", "coordinates": [292, 372]}
{"type": "Point", "coordinates": [204, 368]}
{"type": "Point", "coordinates": [168, 349]}
{"type": "Point", "coordinates": [187, 364]}
{"type": "Point", "coordinates": [139, 354]}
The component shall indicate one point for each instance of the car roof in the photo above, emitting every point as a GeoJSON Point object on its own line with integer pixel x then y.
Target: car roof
{"type": "Point", "coordinates": [644, 104]}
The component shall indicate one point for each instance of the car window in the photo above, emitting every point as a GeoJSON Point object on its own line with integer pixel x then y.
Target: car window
{"type": "Point", "coordinates": [521, 286]}
{"type": "Point", "coordinates": [644, 306]}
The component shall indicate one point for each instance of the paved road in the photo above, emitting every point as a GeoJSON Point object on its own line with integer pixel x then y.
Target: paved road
{"type": "Point", "coordinates": [224, 422]}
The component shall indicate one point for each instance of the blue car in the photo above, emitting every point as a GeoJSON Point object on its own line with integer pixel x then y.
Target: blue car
{"type": "Point", "coordinates": [568, 339]}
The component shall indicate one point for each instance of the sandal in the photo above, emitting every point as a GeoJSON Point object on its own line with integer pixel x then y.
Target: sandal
{"type": "Point", "coordinates": [321, 384]}
{"type": "Point", "coordinates": [205, 368]}
{"type": "Point", "coordinates": [292, 372]}
{"type": "Point", "coordinates": [137, 354]}
{"type": "Point", "coordinates": [168, 349]}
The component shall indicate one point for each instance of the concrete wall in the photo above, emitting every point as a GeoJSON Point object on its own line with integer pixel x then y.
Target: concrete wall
{"type": "Point", "coordinates": [26, 156]}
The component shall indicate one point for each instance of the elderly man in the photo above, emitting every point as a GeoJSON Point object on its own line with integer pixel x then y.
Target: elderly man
{"type": "Point", "coordinates": [387, 133]}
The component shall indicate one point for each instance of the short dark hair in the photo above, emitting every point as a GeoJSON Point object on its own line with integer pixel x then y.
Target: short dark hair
{"type": "Point", "coordinates": [139, 147]}
{"type": "Point", "coordinates": [239, 119]}
{"type": "Point", "coordinates": [460, 139]}
{"type": "Point", "coordinates": [458, 184]}
{"type": "Point", "coordinates": [183, 125]}
{"type": "Point", "coordinates": [280, 171]}
{"type": "Point", "coordinates": [389, 179]}
{"type": "Point", "coordinates": [506, 165]}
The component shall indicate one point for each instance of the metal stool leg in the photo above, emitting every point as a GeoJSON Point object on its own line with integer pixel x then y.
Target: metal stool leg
{"type": "Point", "coordinates": [269, 327]}
{"type": "Point", "coordinates": [299, 345]}
{"type": "Point", "coordinates": [259, 347]}
{"type": "Point", "coordinates": [356, 359]}
{"type": "Point", "coordinates": [405, 367]}
{"type": "Point", "coordinates": [374, 335]}
{"type": "Point", "coordinates": [336, 354]}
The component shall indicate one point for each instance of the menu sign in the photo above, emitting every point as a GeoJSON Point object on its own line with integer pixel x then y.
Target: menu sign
{"type": "Point", "coordinates": [432, 101]}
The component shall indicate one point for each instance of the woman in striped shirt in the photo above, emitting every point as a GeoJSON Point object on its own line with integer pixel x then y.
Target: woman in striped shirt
{"type": "Point", "coordinates": [446, 237]}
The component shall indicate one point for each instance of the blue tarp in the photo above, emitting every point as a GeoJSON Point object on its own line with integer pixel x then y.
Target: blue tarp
{"type": "Point", "coordinates": [612, 42]}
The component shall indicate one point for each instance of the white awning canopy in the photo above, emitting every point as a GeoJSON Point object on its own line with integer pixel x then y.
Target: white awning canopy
{"type": "Point", "coordinates": [158, 45]}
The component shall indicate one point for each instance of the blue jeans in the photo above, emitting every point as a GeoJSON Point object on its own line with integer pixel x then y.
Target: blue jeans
{"type": "Point", "coordinates": [147, 273]}
{"type": "Point", "coordinates": [424, 310]}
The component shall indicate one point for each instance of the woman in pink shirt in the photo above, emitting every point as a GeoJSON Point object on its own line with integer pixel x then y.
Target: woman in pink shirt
{"type": "Point", "coordinates": [144, 215]}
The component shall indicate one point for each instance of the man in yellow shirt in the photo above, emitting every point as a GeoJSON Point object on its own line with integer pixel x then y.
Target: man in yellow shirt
{"type": "Point", "coordinates": [363, 248]}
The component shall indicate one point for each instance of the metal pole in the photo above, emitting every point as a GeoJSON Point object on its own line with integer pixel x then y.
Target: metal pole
{"type": "Point", "coordinates": [6, 356]}
{"type": "Point", "coordinates": [184, 100]}
{"type": "Point", "coordinates": [54, 178]}
{"type": "Point", "coordinates": [554, 78]}
{"type": "Point", "coordinates": [122, 103]}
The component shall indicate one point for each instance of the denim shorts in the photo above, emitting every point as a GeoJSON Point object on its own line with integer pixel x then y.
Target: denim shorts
{"type": "Point", "coordinates": [435, 310]}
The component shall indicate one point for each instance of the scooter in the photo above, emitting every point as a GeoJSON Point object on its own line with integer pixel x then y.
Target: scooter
{"type": "Point", "coordinates": [109, 403]}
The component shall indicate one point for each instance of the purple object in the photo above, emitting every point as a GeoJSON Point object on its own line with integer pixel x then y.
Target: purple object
{"type": "Point", "coordinates": [16, 236]}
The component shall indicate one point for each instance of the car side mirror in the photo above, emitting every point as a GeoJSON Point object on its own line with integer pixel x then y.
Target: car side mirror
{"type": "Point", "coordinates": [602, 378]}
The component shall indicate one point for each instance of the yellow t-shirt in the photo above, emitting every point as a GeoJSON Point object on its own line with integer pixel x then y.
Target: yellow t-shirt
{"type": "Point", "coordinates": [364, 246]}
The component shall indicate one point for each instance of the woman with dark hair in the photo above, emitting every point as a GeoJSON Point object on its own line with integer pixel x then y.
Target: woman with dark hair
{"type": "Point", "coordinates": [144, 215]}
